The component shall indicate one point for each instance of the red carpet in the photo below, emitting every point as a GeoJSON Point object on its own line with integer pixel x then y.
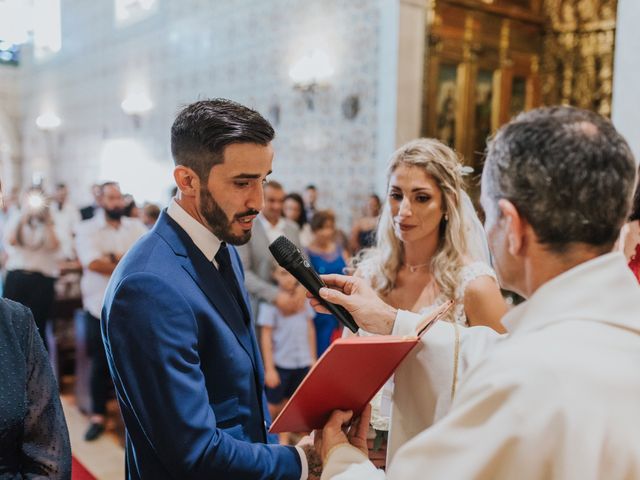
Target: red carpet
{"type": "Point", "coordinates": [78, 472]}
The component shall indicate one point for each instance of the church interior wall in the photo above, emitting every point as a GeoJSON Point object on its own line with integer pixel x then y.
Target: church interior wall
{"type": "Point", "coordinates": [183, 51]}
{"type": "Point", "coordinates": [10, 118]}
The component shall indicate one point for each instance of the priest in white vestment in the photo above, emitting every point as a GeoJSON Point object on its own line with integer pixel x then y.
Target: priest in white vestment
{"type": "Point", "coordinates": [558, 396]}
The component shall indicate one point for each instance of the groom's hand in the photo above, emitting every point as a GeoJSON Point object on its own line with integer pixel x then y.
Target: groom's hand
{"type": "Point", "coordinates": [338, 430]}
{"type": "Point", "coordinates": [361, 301]}
{"type": "Point", "coordinates": [314, 462]}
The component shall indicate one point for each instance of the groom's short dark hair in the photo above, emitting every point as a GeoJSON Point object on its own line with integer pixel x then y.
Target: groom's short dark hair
{"type": "Point", "coordinates": [202, 130]}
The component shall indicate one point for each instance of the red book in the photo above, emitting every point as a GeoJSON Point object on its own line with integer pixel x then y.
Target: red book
{"type": "Point", "coordinates": [347, 376]}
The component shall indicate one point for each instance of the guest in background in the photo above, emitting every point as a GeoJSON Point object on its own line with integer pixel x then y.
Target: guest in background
{"type": "Point", "coordinates": [293, 210]}
{"type": "Point", "coordinates": [131, 209]}
{"type": "Point", "coordinates": [310, 200]}
{"type": "Point", "coordinates": [66, 218]}
{"type": "Point", "coordinates": [364, 229]}
{"type": "Point", "coordinates": [101, 242]}
{"type": "Point", "coordinates": [257, 259]}
{"type": "Point", "coordinates": [629, 242]}
{"type": "Point", "coordinates": [150, 213]}
{"type": "Point", "coordinates": [89, 211]}
{"type": "Point", "coordinates": [33, 254]}
{"type": "Point", "coordinates": [327, 256]}
{"type": "Point", "coordinates": [34, 441]}
{"type": "Point", "coordinates": [7, 207]}
{"type": "Point", "coordinates": [288, 345]}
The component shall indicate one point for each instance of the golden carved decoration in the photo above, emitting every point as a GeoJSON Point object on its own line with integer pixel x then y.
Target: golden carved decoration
{"type": "Point", "coordinates": [577, 59]}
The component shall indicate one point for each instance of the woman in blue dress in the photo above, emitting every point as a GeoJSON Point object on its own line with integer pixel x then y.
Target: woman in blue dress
{"type": "Point", "coordinates": [326, 256]}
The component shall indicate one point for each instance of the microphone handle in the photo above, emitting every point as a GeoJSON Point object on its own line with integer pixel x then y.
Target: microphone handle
{"type": "Point", "coordinates": [340, 313]}
{"type": "Point", "coordinates": [310, 280]}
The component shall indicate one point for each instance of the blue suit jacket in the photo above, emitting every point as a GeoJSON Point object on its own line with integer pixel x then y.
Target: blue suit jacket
{"type": "Point", "coordinates": [186, 366]}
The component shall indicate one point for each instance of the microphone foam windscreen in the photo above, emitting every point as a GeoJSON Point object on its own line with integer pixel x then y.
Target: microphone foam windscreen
{"type": "Point", "coordinates": [282, 249]}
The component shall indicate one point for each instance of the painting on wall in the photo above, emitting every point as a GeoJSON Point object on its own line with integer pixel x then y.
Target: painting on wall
{"type": "Point", "coordinates": [483, 102]}
{"type": "Point", "coordinates": [518, 96]}
{"type": "Point", "coordinates": [446, 101]}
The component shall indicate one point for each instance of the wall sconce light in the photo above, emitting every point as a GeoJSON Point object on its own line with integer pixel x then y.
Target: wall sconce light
{"type": "Point", "coordinates": [310, 73]}
{"type": "Point", "coordinates": [48, 121]}
{"type": "Point", "coordinates": [135, 105]}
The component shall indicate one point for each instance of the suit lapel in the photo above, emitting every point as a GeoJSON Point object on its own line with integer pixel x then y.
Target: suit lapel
{"type": "Point", "coordinates": [208, 279]}
{"type": "Point", "coordinates": [237, 268]}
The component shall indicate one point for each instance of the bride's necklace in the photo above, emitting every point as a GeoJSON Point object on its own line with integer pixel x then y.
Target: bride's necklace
{"type": "Point", "coordinates": [415, 268]}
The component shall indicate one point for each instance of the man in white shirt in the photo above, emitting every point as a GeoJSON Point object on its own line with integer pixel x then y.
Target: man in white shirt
{"type": "Point", "coordinates": [66, 218]}
{"type": "Point", "coordinates": [557, 396]}
{"type": "Point", "coordinates": [257, 259]}
{"type": "Point", "coordinates": [100, 243]}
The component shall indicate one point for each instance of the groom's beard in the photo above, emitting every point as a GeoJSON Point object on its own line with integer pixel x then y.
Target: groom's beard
{"type": "Point", "coordinates": [219, 223]}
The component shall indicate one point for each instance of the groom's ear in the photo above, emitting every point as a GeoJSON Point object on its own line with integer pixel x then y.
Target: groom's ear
{"type": "Point", "coordinates": [186, 180]}
{"type": "Point", "coordinates": [516, 227]}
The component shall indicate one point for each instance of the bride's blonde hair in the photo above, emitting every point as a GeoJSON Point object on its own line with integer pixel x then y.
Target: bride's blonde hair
{"type": "Point", "coordinates": [380, 264]}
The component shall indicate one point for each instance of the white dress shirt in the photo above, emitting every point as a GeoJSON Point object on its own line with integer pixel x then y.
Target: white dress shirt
{"type": "Point", "coordinates": [209, 244]}
{"type": "Point", "coordinates": [96, 238]}
{"type": "Point", "coordinates": [35, 255]}
{"type": "Point", "coordinates": [556, 397]}
{"type": "Point", "coordinates": [272, 231]}
{"type": "Point", "coordinates": [65, 221]}
{"type": "Point", "coordinates": [203, 238]}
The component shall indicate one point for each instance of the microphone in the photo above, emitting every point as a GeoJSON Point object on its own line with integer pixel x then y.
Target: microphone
{"type": "Point", "coordinates": [291, 259]}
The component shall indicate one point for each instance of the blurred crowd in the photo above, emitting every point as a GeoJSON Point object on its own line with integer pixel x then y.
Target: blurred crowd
{"type": "Point", "coordinates": [52, 250]}
{"type": "Point", "coordinates": [37, 236]}
{"type": "Point", "coordinates": [420, 250]}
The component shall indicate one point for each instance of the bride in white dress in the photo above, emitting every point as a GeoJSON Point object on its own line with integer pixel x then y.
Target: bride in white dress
{"type": "Point", "coordinates": [430, 249]}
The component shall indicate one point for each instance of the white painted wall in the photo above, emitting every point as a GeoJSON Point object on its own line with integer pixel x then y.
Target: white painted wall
{"type": "Point", "coordinates": [411, 49]}
{"type": "Point", "coordinates": [190, 49]}
{"type": "Point", "coordinates": [10, 144]}
{"type": "Point", "coordinates": [402, 51]}
{"type": "Point", "coordinates": [387, 90]}
{"type": "Point", "coordinates": [626, 76]}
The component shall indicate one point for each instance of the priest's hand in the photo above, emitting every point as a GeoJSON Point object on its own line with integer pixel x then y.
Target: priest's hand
{"type": "Point", "coordinates": [361, 301]}
{"type": "Point", "coordinates": [339, 430]}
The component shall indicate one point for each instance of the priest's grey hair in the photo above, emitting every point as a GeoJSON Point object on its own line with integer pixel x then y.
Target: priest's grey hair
{"type": "Point", "coordinates": [568, 172]}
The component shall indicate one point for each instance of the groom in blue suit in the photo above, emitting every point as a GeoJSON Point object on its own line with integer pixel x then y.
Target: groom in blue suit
{"type": "Point", "coordinates": [176, 321]}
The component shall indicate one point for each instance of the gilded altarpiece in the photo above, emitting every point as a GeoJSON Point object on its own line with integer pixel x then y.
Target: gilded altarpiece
{"type": "Point", "coordinates": [577, 61]}
{"type": "Point", "coordinates": [488, 60]}
{"type": "Point", "coordinates": [481, 67]}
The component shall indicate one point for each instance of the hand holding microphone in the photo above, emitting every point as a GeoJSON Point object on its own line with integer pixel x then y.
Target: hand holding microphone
{"type": "Point", "coordinates": [291, 259]}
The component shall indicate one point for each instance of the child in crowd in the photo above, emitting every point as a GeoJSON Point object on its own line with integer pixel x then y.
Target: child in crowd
{"type": "Point", "coordinates": [288, 347]}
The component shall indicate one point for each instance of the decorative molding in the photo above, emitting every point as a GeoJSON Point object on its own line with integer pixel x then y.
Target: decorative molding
{"type": "Point", "coordinates": [577, 60]}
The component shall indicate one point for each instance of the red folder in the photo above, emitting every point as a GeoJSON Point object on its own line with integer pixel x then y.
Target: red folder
{"type": "Point", "coordinates": [347, 376]}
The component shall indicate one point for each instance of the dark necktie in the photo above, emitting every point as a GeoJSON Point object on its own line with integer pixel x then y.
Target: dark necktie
{"type": "Point", "coordinates": [226, 270]}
